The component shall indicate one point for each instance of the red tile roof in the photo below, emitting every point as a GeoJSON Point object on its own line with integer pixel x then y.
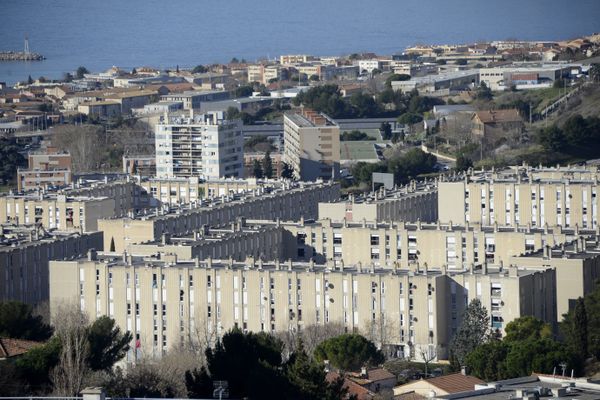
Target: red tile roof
{"type": "Point", "coordinates": [455, 383]}
{"type": "Point", "coordinates": [354, 389]}
{"type": "Point", "coordinates": [499, 116]}
{"type": "Point", "coordinates": [15, 347]}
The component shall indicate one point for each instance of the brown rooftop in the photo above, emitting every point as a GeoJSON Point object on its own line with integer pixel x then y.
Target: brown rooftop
{"type": "Point", "coordinates": [498, 116]}
{"type": "Point", "coordinates": [15, 347]}
{"type": "Point", "coordinates": [455, 383]}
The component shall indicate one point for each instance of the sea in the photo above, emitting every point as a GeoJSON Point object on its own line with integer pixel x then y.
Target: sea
{"type": "Point", "coordinates": [99, 34]}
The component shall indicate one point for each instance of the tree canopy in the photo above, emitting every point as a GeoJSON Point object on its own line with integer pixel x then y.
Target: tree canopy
{"type": "Point", "coordinates": [107, 343]}
{"type": "Point", "coordinates": [473, 331]}
{"type": "Point", "coordinates": [11, 160]}
{"type": "Point", "coordinates": [349, 352]}
{"type": "Point", "coordinates": [17, 321]}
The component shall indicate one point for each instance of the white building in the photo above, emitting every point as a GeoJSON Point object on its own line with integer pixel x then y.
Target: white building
{"type": "Point", "coordinates": [206, 146]}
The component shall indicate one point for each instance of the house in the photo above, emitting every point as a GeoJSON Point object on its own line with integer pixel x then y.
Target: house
{"type": "Point", "coordinates": [440, 386]}
{"type": "Point", "coordinates": [374, 379]}
{"type": "Point", "coordinates": [354, 389]}
{"type": "Point", "coordinates": [10, 348]}
{"type": "Point", "coordinates": [494, 122]}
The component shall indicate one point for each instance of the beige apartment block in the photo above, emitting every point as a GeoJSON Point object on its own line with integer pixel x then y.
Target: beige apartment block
{"type": "Point", "coordinates": [311, 145]}
{"type": "Point", "coordinates": [25, 252]}
{"type": "Point", "coordinates": [56, 211]}
{"type": "Point", "coordinates": [489, 198]}
{"type": "Point", "coordinates": [238, 242]}
{"type": "Point", "coordinates": [408, 203]}
{"type": "Point", "coordinates": [292, 202]}
{"type": "Point", "coordinates": [176, 191]}
{"type": "Point", "coordinates": [166, 303]}
{"type": "Point", "coordinates": [577, 266]}
{"type": "Point", "coordinates": [402, 245]}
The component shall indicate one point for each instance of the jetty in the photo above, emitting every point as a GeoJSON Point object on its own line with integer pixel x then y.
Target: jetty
{"type": "Point", "coordinates": [24, 55]}
{"type": "Point", "coordinates": [20, 56]}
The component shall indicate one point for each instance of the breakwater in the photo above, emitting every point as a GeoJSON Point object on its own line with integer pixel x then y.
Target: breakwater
{"type": "Point", "coordinates": [20, 56]}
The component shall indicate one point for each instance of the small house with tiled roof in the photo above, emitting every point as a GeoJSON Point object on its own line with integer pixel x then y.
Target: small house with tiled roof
{"type": "Point", "coordinates": [10, 348]}
{"type": "Point", "coordinates": [441, 385]}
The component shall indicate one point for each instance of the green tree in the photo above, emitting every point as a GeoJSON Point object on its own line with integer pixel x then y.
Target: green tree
{"type": "Point", "coordinates": [577, 332]}
{"type": "Point", "coordinates": [199, 69]}
{"type": "Point", "coordinates": [488, 361]}
{"type": "Point", "coordinates": [551, 138]}
{"type": "Point", "coordinates": [244, 91]}
{"type": "Point", "coordinates": [306, 377]}
{"type": "Point", "coordinates": [232, 113]}
{"type": "Point", "coordinates": [287, 171]}
{"type": "Point", "coordinates": [386, 131]}
{"type": "Point", "coordinates": [29, 80]}
{"type": "Point", "coordinates": [314, 78]}
{"type": "Point", "coordinates": [35, 365]}
{"type": "Point", "coordinates": [267, 165]}
{"type": "Point", "coordinates": [484, 92]}
{"type": "Point", "coordinates": [198, 384]}
{"type": "Point", "coordinates": [258, 355]}
{"type": "Point", "coordinates": [348, 352]}
{"type": "Point", "coordinates": [473, 331]}
{"type": "Point", "coordinates": [257, 170]}
{"type": "Point", "coordinates": [396, 77]}
{"type": "Point", "coordinates": [17, 321]}
{"type": "Point", "coordinates": [11, 160]}
{"type": "Point", "coordinates": [463, 163]}
{"type": "Point", "coordinates": [81, 71]}
{"type": "Point", "coordinates": [67, 77]}
{"type": "Point", "coordinates": [572, 329]}
{"type": "Point", "coordinates": [527, 327]}
{"type": "Point", "coordinates": [107, 344]}
{"type": "Point", "coordinates": [409, 118]}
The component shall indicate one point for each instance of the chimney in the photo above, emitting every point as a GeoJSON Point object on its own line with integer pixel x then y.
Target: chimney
{"type": "Point", "coordinates": [464, 370]}
{"type": "Point", "coordinates": [92, 255]}
{"type": "Point", "coordinates": [363, 372]}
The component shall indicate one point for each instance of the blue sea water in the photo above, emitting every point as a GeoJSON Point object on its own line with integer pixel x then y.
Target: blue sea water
{"type": "Point", "coordinates": [164, 33]}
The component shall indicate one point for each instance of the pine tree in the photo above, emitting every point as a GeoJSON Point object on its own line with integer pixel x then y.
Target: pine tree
{"type": "Point", "coordinates": [306, 376]}
{"type": "Point", "coordinates": [257, 170]}
{"type": "Point", "coordinates": [474, 330]}
{"type": "Point", "coordinates": [579, 330]}
{"type": "Point", "coordinates": [267, 165]}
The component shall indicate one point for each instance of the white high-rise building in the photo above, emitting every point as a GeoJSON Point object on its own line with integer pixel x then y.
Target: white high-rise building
{"type": "Point", "coordinates": [207, 146]}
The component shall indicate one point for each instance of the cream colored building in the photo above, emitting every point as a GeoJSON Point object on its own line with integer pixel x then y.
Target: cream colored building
{"type": "Point", "coordinates": [25, 252]}
{"type": "Point", "coordinates": [165, 303]}
{"type": "Point", "coordinates": [401, 245]}
{"type": "Point", "coordinates": [237, 242]}
{"type": "Point", "coordinates": [520, 199]}
{"type": "Point", "coordinates": [56, 211]}
{"type": "Point", "coordinates": [311, 145]}
{"type": "Point", "coordinates": [291, 202]}
{"type": "Point", "coordinates": [409, 203]}
{"type": "Point", "coordinates": [577, 266]}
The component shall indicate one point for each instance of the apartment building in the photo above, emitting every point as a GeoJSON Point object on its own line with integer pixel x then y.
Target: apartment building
{"type": "Point", "coordinates": [45, 170]}
{"type": "Point", "coordinates": [402, 245]}
{"type": "Point", "coordinates": [238, 242]}
{"type": "Point", "coordinates": [194, 99]}
{"type": "Point", "coordinates": [295, 59]}
{"type": "Point", "coordinates": [407, 203]}
{"type": "Point", "coordinates": [577, 266]}
{"type": "Point", "coordinates": [291, 202]}
{"type": "Point", "coordinates": [519, 197]}
{"type": "Point", "coordinates": [165, 303]}
{"type": "Point", "coordinates": [311, 145]}
{"type": "Point", "coordinates": [56, 211]}
{"type": "Point", "coordinates": [205, 146]}
{"type": "Point", "coordinates": [25, 252]}
{"type": "Point", "coordinates": [266, 73]}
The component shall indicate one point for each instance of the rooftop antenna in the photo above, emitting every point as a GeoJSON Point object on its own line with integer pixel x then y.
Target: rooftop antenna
{"type": "Point", "coordinates": [26, 49]}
